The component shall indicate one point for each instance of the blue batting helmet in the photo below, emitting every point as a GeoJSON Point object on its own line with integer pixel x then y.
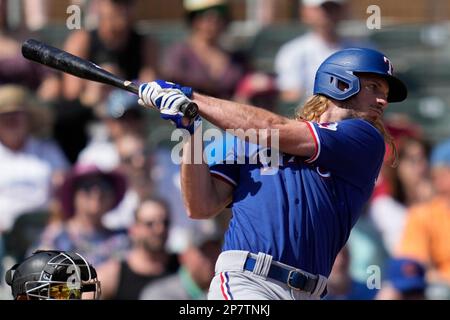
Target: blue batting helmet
{"type": "Point", "coordinates": [342, 66]}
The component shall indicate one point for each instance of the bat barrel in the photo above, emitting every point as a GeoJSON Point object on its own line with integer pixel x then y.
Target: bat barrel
{"type": "Point", "coordinates": [63, 61]}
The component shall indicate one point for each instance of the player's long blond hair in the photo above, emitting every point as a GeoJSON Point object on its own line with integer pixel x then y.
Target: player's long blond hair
{"type": "Point", "coordinates": [317, 105]}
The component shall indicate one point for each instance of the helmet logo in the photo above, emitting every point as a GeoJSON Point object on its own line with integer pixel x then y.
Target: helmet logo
{"type": "Point", "coordinates": [390, 68]}
{"type": "Point", "coordinates": [46, 276]}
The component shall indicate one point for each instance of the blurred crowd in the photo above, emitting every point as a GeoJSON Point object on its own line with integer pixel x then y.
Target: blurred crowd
{"type": "Point", "coordinates": [84, 168]}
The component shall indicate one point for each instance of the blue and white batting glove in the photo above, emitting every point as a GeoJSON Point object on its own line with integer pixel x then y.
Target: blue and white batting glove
{"type": "Point", "coordinates": [169, 99]}
{"type": "Point", "coordinates": [170, 102]}
{"type": "Point", "coordinates": [148, 92]}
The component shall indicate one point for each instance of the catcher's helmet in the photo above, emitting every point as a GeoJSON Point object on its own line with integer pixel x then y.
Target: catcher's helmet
{"type": "Point", "coordinates": [342, 66]}
{"type": "Point", "coordinates": [53, 275]}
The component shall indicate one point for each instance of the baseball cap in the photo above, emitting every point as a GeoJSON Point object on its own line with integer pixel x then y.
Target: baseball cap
{"type": "Point", "coordinates": [119, 102]}
{"type": "Point", "coordinates": [196, 5]}
{"type": "Point", "coordinates": [13, 98]}
{"type": "Point", "coordinates": [316, 3]}
{"type": "Point", "coordinates": [440, 155]}
{"type": "Point", "coordinates": [406, 274]}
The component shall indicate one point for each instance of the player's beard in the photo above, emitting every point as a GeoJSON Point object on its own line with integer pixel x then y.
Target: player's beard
{"type": "Point", "coordinates": [353, 114]}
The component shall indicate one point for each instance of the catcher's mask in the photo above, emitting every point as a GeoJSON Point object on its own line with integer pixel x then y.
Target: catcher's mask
{"type": "Point", "coordinates": [53, 275]}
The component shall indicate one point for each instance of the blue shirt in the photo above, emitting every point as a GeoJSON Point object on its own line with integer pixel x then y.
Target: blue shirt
{"type": "Point", "coordinates": [302, 213]}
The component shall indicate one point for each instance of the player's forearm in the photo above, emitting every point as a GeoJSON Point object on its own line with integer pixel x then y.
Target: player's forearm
{"type": "Point", "coordinates": [200, 199]}
{"type": "Point", "coordinates": [232, 115]}
{"type": "Point", "coordinates": [293, 137]}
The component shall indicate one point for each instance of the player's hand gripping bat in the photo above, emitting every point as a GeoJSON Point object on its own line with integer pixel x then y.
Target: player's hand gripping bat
{"type": "Point", "coordinates": [63, 61]}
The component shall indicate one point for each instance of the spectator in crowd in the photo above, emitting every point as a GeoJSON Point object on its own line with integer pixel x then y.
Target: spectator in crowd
{"type": "Point", "coordinates": [426, 234]}
{"type": "Point", "coordinates": [405, 281]}
{"type": "Point", "coordinates": [135, 163]}
{"type": "Point", "coordinates": [86, 195]}
{"type": "Point", "coordinates": [192, 280]}
{"type": "Point", "coordinates": [340, 284]}
{"type": "Point", "coordinates": [118, 141]}
{"type": "Point", "coordinates": [116, 44]}
{"type": "Point", "coordinates": [297, 61]}
{"type": "Point", "coordinates": [257, 89]}
{"type": "Point", "coordinates": [14, 69]}
{"type": "Point", "coordinates": [199, 61]}
{"type": "Point", "coordinates": [412, 147]}
{"type": "Point", "coordinates": [408, 184]}
{"type": "Point", "coordinates": [147, 260]}
{"type": "Point", "coordinates": [121, 116]}
{"type": "Point", "coordinates": [30, 167]}
{"type": "Point", "coordinates": [366, 249]}
{"type": "Point", "coordinates": [36, 13]}
{"type": "Point", "coordinates": [264, 12]}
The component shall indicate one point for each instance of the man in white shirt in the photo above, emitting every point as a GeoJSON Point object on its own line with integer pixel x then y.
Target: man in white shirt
{"type": "Point", "coordinates": [297, 61]}
{"type": "Point", "coordinates": [28, 166]}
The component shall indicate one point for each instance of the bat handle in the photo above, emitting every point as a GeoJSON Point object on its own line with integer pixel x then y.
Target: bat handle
{"type": "Point", "coordinates": [190, 110]}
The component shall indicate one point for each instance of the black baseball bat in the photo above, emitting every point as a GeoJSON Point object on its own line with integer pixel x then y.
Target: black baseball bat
{"type": "Point", "coordinates": [63, 61]}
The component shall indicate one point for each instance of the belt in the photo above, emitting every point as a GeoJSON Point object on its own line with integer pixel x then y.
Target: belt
{"type": "Point", "coordinates": [294, 279]}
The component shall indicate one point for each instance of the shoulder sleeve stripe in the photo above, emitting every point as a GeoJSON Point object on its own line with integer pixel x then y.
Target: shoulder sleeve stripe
{"type": "Point", "coordinates": [315, 136]}
{"type": "Point", "coordinates": [223, 177]}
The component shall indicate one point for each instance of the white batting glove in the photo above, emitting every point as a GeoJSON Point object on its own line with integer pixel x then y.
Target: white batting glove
{"type": "Point", "coordinates": [149, 92]}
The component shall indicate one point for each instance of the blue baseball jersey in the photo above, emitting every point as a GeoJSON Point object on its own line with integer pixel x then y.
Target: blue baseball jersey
{"type": "Point", "coordinates": [302, 212]}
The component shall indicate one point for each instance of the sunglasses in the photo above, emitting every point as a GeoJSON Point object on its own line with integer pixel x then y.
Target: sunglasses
{"type": "Point", "coordinates": [89, 183]}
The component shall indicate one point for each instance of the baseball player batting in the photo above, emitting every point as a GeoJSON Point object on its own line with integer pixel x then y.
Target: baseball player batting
{"type": "Point", "coordinates": [288, 227]}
